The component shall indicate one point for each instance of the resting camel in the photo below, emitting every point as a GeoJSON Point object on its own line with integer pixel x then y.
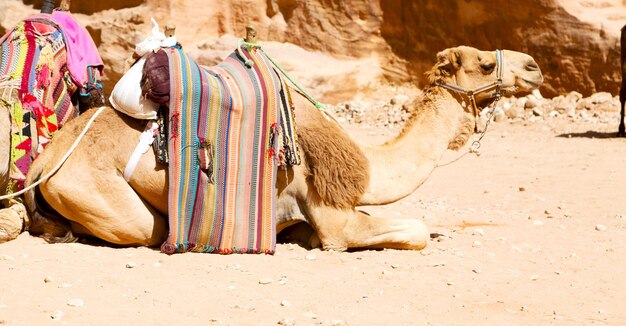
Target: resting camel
{"type": "Point", "coordinates": [89, 196]}
{"type": "Point", "coordinates": [621, 130]}
{"type": "Point", "coordinates": [43, 84]}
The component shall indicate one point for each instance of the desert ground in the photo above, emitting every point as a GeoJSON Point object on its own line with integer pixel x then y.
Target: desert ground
{"type": "Point", "coordinates": [531, 232]}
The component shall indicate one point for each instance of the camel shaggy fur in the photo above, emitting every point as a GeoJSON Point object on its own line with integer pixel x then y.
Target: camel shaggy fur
{"type": "Point", "coordinates": [89, 196]}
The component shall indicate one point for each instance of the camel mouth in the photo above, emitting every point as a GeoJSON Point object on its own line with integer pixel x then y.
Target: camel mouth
{"type": "Point", "coordinates": [531, 84]}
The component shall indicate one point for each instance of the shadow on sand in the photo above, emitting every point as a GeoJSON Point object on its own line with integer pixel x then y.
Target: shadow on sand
{"type": "Point", "coordinates": [590, 134]}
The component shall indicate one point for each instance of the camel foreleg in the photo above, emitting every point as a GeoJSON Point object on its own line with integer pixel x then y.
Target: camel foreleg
{"type": "Point", "coordinates": [621, 132]}
{"type": "Point", "coordinates": [342, 229]}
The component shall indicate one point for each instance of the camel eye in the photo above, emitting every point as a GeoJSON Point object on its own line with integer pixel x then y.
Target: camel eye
{"type": "Point", "coordinates": [487, 67]}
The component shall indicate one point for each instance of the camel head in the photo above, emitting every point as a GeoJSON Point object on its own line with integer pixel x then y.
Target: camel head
{"type": "Point", "coordinates": [472, 69]}
{"type": "Point", "coordinates": [476, 78]}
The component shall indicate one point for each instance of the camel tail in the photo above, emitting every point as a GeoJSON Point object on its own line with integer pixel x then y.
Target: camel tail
{"type": "Point", "coordinates": [44, 220]}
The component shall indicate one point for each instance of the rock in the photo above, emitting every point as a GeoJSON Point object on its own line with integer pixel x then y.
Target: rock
{"type": "Point", "coordinates": [265, 281]}
{"type": "Point", "coordinates": [47, 279]}
{"type": "Point", "coordinates": [478, 232]}
{"type": "Point", "coordinates": [76, 302]}
{"type": "Point", "coordinates": [57, 315]}
{"type": "Point", "coordinates": [310, 256]}
{"type": "Point", "coordinates": [476, 271]}
{"type": "Point", "coordinates": [399, 99]}
{"type": "Point", "coordinates": [285, 303]}
{"type": "Point", "coordinates": [131, 264]}
{"type": "Point", "coordinates": [537, 112]}
{"type": "Point", "coordinates": [534, 277]}
{"type": "Point", "coordinates": [531, 103]}
{"type": "Point", "coordinates": [286, 322]}
{"type": "Point", "coordinates": [600, 227]}
{"type": "Point", "coordinates": [310, 315]}
{"type": "Point", "coordinates": [11, 223]}
{"type": "Point", "coordinates": [395, 266]}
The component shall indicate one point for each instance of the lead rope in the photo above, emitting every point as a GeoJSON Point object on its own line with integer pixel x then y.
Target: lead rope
{"type": "Point", "coordinates": [63, 159]}
{"type": "Point", "coordinates": [249, 63]}
{"type": "Point", "coordinates": [475, 146]}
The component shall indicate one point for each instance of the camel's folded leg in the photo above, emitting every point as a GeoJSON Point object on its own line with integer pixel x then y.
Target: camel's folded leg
{"type": "Point", "coordinates": [117, 215]}
{"type": "Point", "coordinates": [344, 229]}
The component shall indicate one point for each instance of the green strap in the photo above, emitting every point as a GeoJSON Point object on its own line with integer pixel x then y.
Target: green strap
{"type": "Point", "coordinates": [249, 63]}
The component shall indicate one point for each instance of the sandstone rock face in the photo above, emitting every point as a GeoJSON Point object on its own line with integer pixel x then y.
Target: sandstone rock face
{"type": "Point", "coordinates": [575, 42]}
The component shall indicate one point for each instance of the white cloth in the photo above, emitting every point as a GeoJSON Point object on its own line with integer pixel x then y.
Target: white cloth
{"type": "Point", "coordinates": [145, 140]}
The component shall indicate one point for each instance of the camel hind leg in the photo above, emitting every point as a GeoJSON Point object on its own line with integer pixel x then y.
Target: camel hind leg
{"type": "Point", "coordinates": [117, 215]}
{"type": "Point", "coordinates": [342, 229]}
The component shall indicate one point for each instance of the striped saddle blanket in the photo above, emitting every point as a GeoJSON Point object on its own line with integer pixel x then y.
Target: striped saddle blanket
{"type": "Point", "coordinates": [230, 127]}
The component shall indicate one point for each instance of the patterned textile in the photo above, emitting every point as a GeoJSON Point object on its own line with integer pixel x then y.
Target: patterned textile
{"type": "Point", "coordinates": [224, 148]}
{"type": "Point", "coordinates": [37, 88]}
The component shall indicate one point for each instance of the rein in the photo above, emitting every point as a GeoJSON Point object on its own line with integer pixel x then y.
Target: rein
{"type": "Point", "coordinates": [63, 159]}
{"type": "Point", "coordinates": [471, 93]}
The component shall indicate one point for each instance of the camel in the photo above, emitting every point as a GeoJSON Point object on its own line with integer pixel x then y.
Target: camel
{"type": "Point", "coordinates": [39, 74]}
{"type": "Point", "coordinates": [88, 196]}
{"type": "Point", "coordinates": [621, 131]}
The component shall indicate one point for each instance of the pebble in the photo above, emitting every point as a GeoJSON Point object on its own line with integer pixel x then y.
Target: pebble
{"type": "Point", "coordinates": [131, 264]}
{"type": "Point", "coordinates": [285, 303]}
{"type": "Point", "coordinates": [234, 266]}
{"type": "Point", "coordinates": [476, 270]}
{"type": "Point", "coordinates": [310, 315]}
{"type": "Point", "coordinates": [76, 302]}
{"type": "Point", "coordinates": [265, 281]}
{"type": "Point", "coordinates": [600, 227]}
{"type": "Point", "coordinates": [479, 232]}
{"type": "Point", "coordinates": [57, 315]}
{"type": "Point", "coordinates": [450, 283]}
{"type": "Point", "coordinates": [310, 256]}
{"type": "Point", "coordinates": [395, 266]}
{"type": "Point", "coordinates": [47, 279]}
{"type": "Point", "coordinates": [521, 189]}
{"type": "Point", "coordinates": [286, 322]}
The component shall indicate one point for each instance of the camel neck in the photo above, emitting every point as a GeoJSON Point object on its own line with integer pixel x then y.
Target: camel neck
{"type": "Point", "coordinates": [401, 165]}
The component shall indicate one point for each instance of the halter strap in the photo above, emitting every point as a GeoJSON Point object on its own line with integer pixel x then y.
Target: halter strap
{"type": "Point", "coordinates": [470, 93]}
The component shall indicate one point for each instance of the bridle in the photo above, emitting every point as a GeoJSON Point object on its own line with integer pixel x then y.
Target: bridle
{"type": "Point", "coordinates": [471, 93]}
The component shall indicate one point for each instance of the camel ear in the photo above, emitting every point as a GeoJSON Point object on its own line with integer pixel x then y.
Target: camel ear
{"type": "Point", "coordinates": [450, 59]}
